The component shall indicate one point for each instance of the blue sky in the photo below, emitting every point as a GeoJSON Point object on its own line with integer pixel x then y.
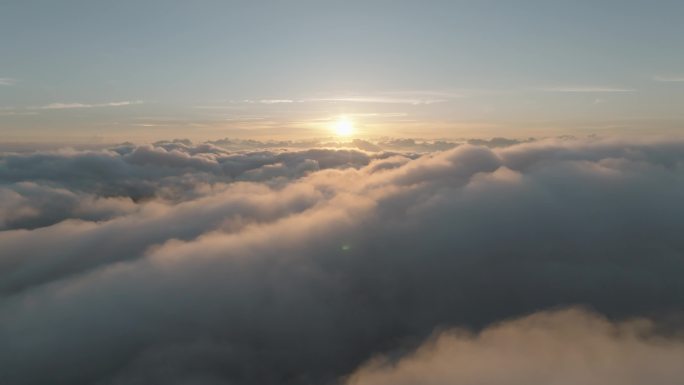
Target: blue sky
{"type": "Point", "coordinates": [142, 70]}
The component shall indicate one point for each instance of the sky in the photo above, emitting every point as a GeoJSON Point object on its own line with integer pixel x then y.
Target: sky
{"type": "Point", "coordinates": [89, 71]}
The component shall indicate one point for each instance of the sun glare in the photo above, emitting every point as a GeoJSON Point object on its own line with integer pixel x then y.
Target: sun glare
{"type": "Point", "coordinates": [344, 126]}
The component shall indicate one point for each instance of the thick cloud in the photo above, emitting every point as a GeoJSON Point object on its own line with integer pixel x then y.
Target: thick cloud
{"type": "Point", "coordinates": [303, 280]}
{"type": "Point", "coordinates": [564, 347]}
{"type": "Point", "coordinates": [170, 170]}
{"type": "Point", "coordinates": [31, 205]}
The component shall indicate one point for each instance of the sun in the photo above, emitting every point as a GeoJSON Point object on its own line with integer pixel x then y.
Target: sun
{"type": "Point", "coordinates": [344, 127]}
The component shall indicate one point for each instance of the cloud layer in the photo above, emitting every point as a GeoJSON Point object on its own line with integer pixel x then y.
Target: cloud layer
{"type": "Point", "coordinates": [178, 263]}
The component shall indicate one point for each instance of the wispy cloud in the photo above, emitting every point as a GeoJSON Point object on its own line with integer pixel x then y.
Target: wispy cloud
{"type": "Point", "coordinates": [219, 107]}
{"type": "Point", "coordinates": [8, 81]}
{"type": "Point", "coordinates": [231, 104]}
{"type": "Point", "coordinates": [379, 115]}
{"type": "Point", "coordinates": [66, 106]}
{"type": "Point", "coordinates": [411, 97]}
{"type": "Point", "coordinates": [14, 111]}
{"type": "Point", "coordinates": [671, 79]}
{"type": "Point", "coordinates": [586, 89]}
{"type": "Point", "coordinates": [441, 94]}
{"type": "Point", "coordinates": [380, 100]}
{"type": "Point", "coordinates": [352, 99]}
{"type": "Point", "coordinates": [272, 101]}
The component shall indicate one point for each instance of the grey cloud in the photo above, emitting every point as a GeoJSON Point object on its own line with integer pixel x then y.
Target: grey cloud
{"type": "Point", "coordinates": [74, 246]}
{"type": "Point", "coordinates": [366, 145]}
{"type": "Point", "coordinates": [30, 205]}
{"type": "Point", "coordinates": [497, 142]}
{"type": "Point", "coordinates": [414, 145]}
{"type": "Point", "coordinates": [302, 281]}
{"type": "Point", "coordinates": [383, 144]}
{"type": "Point", "coordinates": [165, 169]}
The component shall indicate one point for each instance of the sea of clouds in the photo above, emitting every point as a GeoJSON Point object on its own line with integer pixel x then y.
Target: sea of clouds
{"type": "Point", "coordinates": [555, 261]}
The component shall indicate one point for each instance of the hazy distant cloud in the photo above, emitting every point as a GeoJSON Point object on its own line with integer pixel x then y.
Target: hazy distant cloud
{"type": "Point", "coordinates": [195, 263]}
{"type": "Point", "coordinates": [8, 81]}
{"type": "Point", "coordinates": [413, 145]}
{"type": "Point", "coordinates": [498, 142]}
{"type": "Point", "coordinates": [384, 145]}
{"type": "Point", "coordinates": [674, 79]}
{"type": "Point", "coordinates": [586, 89]}
{"type": "Point", "coordinates": [63, 106]}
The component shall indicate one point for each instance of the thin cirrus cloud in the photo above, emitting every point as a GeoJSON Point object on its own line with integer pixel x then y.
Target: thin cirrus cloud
{"type": "Point", "coordinates": [272, 101]}
{"type": "Point", "coordinates": [420, 97]}
{"type": "Point", "coordinates": [410, 97]}
{"type": "Point", "coordinates": [67, 106]}
{"type": "Point", "coordinates": [586, 89]}
{"type": "Point", "coordinates": [669, 79]}
{"type": "Point", "coordinates": [8, 81]}
{"type": "Point", "coordinates": [381, 100]}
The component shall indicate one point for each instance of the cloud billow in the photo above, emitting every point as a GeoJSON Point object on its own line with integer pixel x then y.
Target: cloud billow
{"type": "Point", "coordinates": [166, 169]}
{"type": "Point", "coordinates": [348, 256]}
{"type": "Point", "coordinates": [561, 347]}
